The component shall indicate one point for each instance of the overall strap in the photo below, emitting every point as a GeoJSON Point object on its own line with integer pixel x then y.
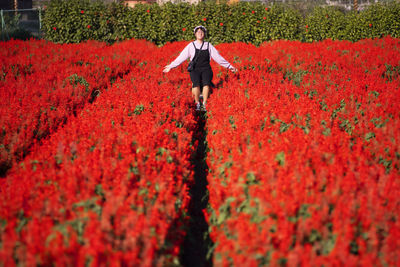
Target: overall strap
{"type": "Point", "coordinates": [195, 50]}
{"type": "Point", "coordinates": [201, 46]}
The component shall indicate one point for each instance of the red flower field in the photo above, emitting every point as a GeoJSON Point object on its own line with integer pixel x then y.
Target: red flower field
{"type": "Point", "coordinates": [302, 152]}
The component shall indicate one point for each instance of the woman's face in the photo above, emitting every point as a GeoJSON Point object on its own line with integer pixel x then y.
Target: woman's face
{"type": "Point", "coordinates": [199, 34]}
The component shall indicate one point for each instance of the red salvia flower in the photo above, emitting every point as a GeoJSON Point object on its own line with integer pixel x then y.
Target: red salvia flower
{"type": "Point", "coordinates": [289, 149]}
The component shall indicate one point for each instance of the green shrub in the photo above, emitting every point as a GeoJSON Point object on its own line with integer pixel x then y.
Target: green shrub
{"type": "Point", "coordinates": [324, 23]}
{"type": "Point", "coordinates": [250, 22]}
{"type": "Point", "coordinates": [77, 20]}
{"type": "Point", "coordinates": [283, 23]}
{"type": "Point", "coordinates": [376, 21]}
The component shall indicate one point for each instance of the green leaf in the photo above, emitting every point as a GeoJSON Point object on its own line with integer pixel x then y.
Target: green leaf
{"type": "Point", "coordinates": [369, 136]}
{"type": "Point", "coordinates": [283, 127]}
{"type": "Point", "coordinates": [251, 179]}
{"type": "Point", "coordinates": [280, 158]}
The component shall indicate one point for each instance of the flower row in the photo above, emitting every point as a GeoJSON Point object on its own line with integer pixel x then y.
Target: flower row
{"type": "Point", "coordinates": [43, 84]}
{"type": "Point", "coordinates": [303, 162]}
{"type": "Point", "coordinates": [304, 158]}
{"type": "Point", "coordinates": [111, 185]}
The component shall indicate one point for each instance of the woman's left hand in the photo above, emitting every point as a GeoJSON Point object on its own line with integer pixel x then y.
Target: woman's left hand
{"type": "Point", "coordinates": [166, 69]}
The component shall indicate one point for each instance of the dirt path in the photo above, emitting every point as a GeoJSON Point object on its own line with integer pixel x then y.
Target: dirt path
{"type": "Point", "coordinates": [197, 243]}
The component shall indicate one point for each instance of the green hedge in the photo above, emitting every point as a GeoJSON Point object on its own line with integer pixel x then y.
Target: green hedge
{"type": "Point", "coordinates": [251, 22]}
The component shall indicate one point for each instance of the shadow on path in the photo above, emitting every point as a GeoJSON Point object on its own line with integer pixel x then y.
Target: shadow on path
{"type": "Point", "coordinates": [197, 241]}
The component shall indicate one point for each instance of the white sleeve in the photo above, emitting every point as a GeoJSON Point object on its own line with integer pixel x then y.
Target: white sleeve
{"type": "Point", "coordinates": [218, 58]}
{"type": "Point", "coordinates": [184, 55]}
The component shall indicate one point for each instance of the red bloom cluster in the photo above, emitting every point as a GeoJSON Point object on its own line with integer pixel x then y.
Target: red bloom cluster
{"type": "Point", "coordinates": [111, 184]}
{"type": "Point", "coordinates": [43, 84]}
{"type": "Point", "coordinates": [303, 162]}
{"type": "Point", "coordinates": [305, 155]}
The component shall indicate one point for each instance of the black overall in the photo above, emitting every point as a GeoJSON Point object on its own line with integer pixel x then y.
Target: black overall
{"type": "Point", "coordinates": [202, 73]}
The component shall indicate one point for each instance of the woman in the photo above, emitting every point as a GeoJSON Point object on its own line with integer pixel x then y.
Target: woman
{"type": "Point", "coordinates": [202, 73]}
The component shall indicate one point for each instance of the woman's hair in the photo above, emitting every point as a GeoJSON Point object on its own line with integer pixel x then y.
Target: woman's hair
{"type": "Point", "coordinates": [200, 27]}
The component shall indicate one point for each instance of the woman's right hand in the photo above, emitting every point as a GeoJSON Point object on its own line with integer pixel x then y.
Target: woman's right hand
{"type": "Point", "coordinates": [166, 69]}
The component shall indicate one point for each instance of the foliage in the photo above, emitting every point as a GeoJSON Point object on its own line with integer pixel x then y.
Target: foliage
{"type": "Point", "coordinates": [250, 22]}
{"type": "Point", "coordinates": [324, 23]}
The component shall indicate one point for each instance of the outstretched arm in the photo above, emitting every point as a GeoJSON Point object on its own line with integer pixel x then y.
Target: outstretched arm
{"type": "Point", "coordinates": [219, 59]}
{"type": "Point", "coordinates": [184, 55]}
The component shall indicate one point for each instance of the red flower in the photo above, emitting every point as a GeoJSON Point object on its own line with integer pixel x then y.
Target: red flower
{"type": "Point", "coordinates": [54, 28]}
{"type": "Point", "coordinates": [244, 13]}
{"type": "Point", "coordinates": [252, 11]}
{"type": "Point", "coordinates": [221, 24]}
{"type": "Point", "coordinates": [264, 18]}
{"type": "Point", "coordinates": [306, 26]}
{"type": "Point", "coordinates": [148, 10]}
{"type": "Point", "coordinates": [370, 25]}
{"type": "Point", "coordinates": [82, 11]}
{"type": "Point", "coordinates": [88, 26]}
{"type": "Point", "coordinates": [204, 19]}
{"type": "Point", "coordinates": [183, 29]}
{"type": "Point", "coordinates": [266, 8]}
{"type": "Point", "coordinates": [258, 21]}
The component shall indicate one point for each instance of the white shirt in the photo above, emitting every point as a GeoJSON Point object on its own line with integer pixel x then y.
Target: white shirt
{"type": "Point", "coordinates": [189, 51]}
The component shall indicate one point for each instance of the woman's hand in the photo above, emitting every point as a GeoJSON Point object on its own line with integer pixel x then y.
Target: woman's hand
{"type": "Point", "coordinates": [234, 70]}
{"type": "Point", "coordinates": [166, 69]}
